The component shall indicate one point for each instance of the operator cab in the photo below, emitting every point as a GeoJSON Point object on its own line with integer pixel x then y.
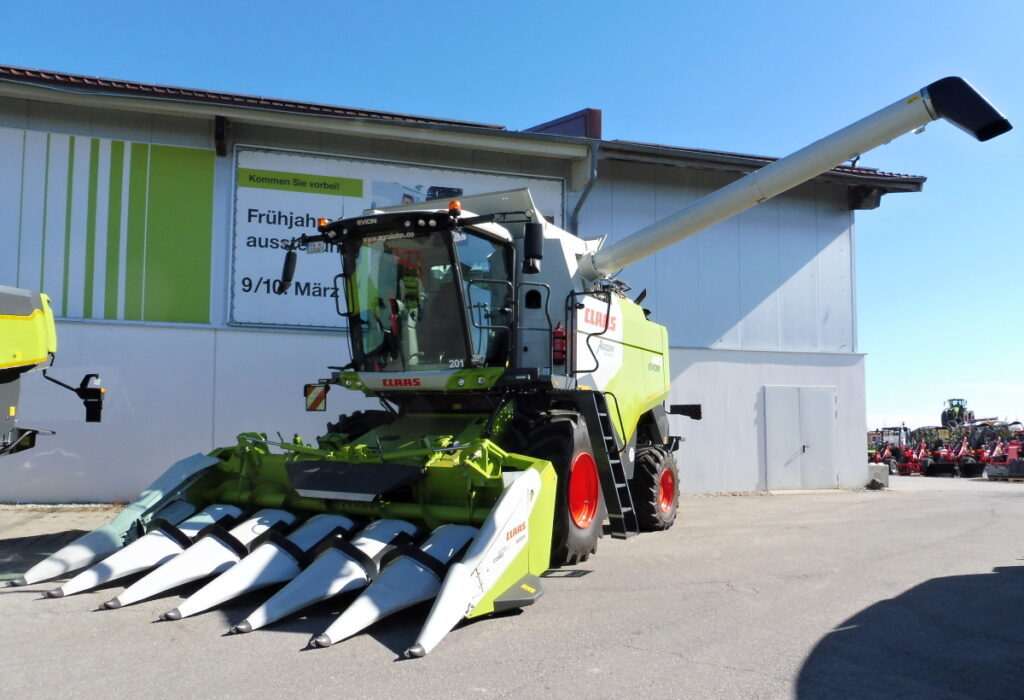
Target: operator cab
{"type": "Point", "coordinates": [424, 291]}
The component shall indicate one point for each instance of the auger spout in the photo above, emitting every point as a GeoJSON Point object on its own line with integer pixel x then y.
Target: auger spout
{"type": "Point", "coordinates": [953, 99]}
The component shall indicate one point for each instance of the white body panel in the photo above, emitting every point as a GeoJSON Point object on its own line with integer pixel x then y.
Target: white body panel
{"type": "Point", "coordinates": [501, 538]}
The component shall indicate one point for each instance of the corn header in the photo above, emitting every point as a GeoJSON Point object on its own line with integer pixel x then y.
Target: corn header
{"type": "Point", "coordinates": [522, 404]}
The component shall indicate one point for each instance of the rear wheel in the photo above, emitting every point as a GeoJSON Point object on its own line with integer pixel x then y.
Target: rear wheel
{"type": "Point", "coordinates": [893, 466]}
{"type": "Point", "coordinates": [655, 488]}
{"type": "Point", "coordinates": [579, 508]}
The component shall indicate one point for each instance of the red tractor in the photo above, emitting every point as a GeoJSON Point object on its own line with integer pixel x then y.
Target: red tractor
{"type": "Point", "coordinates": [966, 460]}
{"type": "Point", "coordinates": [1006, 460]}
{"type": "Point", "coordinates": [937, 456]}
{"type": "Point", "coordinates": [910, 462]}
{"type": "Point", "coordinates": [952, 454]}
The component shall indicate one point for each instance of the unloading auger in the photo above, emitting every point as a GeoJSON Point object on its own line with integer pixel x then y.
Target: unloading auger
{"type": "Point", "coordinates": [520, 408]}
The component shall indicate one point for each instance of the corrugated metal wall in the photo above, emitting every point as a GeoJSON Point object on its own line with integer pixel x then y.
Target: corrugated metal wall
{"type": "Point", "coordinates": [776, 277]}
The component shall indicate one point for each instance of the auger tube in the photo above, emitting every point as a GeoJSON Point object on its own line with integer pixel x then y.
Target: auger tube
{"type": "Point", "coordinates": [950, 98]}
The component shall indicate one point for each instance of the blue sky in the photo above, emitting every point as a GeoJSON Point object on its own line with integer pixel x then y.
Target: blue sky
{"type": "Point", "coordinates": [939, 281]}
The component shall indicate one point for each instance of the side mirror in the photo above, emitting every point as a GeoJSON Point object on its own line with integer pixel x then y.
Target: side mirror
{"type": "Point", "coordinates": [288, 273]}
{"type": "Point", "coordinates": [533, 248]}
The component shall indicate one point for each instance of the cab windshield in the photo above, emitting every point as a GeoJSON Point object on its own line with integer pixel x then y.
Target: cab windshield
{"type": "Point", "coordinates": [440, 300]}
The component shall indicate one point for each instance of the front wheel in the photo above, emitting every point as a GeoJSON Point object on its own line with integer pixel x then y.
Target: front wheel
{"type": "Point", "coordinates": [579, 508]}
{"type": "Point", "coordinates": [655, 488]}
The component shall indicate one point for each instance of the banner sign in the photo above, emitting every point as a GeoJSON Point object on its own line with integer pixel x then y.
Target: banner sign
{"type": "Point", "coordinates": [279, 195]}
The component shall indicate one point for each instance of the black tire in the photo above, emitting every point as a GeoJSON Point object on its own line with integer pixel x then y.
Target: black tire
{"type": "Point", "coordinates": [968, 467]}
{"type": "Point", "coordinates": [893, 466]}
{"type": "Point", "coordinates": [655, 488]}
{"type": "Point", "coordinates": [564, 442]}
{"type": "Point", "coordinates": [926, 466]}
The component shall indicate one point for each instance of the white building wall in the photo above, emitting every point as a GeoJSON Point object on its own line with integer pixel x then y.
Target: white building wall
{"type": "Point", "coordinates": [725, 451]}
{"type": "Point", "coordinates": [171, 392]}
{"type": "Point", "coordinates": [778, 276]}
{"type": "Point", "coordinates": [763, 299]}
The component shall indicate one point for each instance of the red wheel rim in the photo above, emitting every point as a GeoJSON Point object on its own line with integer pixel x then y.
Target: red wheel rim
{"type": "Point", "coordinates": [666, 491]}
{"type": "Point", "coordinates": [583, 486]}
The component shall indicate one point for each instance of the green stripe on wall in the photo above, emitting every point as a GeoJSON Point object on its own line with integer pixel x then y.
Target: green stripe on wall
{"type": "Point", "coordinates": [179, 235]}
{"type": "Point", "coordinates": [138, 193]}
{"type": "Point", "coordinates": [90, 228]}
{"type": "Point", "coordinates": [114, 229]}
{"type": "Point", "coordinates": [67, 229]}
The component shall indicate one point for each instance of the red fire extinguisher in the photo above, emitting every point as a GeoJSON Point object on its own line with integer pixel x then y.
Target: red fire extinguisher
{"type": "Point", "coordinates": [558, 344]}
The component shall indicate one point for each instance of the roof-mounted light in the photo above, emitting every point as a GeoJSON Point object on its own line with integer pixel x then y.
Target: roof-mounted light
{"type": "Point", "coordinates": [455, 207]}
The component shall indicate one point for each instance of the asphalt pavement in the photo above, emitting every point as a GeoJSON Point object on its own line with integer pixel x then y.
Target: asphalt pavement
{"type": "Point", "coordinates": [914, 591]}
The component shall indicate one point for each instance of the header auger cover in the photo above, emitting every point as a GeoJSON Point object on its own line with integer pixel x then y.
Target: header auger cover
{"type": "Point", "coordinates": [522, 404]}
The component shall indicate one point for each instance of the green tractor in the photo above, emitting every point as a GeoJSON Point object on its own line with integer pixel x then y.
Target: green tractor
{"type": "Point", "coordinates": [522, 402]}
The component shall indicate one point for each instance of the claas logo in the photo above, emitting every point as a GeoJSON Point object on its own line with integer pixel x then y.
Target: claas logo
{"type": "Point", "coordinates": [597, 318]}
{"type": "Point", "coordinates": [402, 381]}
{"type": "Point", "coordinates": [515, 531]}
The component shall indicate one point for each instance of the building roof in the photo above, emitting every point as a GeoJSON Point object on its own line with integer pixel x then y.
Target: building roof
{"type": "Point", "coordinates": [111, 86]}
{"type": "Point", "coordinates": [615, 149]}
{"type": "Point", "coordinates": [747, 159]}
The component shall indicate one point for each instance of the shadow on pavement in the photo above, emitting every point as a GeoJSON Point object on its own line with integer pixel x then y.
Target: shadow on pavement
{"type": "Point", "coordinates": [19, 554]}
{"type": "Point", "coordinates": [957, 636]}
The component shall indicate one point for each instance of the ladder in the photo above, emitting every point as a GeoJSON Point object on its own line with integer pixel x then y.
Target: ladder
{"type": "Point", "coordinates": [617, 498]}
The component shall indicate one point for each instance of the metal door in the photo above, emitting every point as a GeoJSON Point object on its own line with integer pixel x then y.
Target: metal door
{"type": "Point", "coordinates": [800, 437]}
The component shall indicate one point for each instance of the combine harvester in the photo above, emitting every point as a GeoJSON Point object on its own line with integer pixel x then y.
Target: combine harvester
{"type": "Point", "coordinates": [521, 407]}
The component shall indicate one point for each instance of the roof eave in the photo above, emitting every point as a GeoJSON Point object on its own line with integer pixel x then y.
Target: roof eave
{"type": "Point", "coordinates": [455, 135]}
{"type": "Point", "coordinates": [743, 165]}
